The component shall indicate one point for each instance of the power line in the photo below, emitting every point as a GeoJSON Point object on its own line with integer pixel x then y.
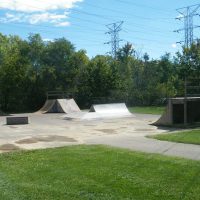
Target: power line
{"type": "Point", "coordinates": [140, 5]}
{"type": "Point", "coordinates": [93, 14]}
{"type": "Point", "coordinates": [54, 27]}
{"type": "Point", "coordinates": [188, 13]}
{"type": "Point", "coordinates": [101, 17]}
{"type": "Point", "coordinates": [126, 13]}
{"type": "Point", "coordinates": [44, 31]}
{"type": "Point", "coordinates": [114, 30]}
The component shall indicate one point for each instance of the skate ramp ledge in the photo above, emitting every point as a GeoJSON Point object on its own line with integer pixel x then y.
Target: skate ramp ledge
{"type": "Point", "coordinates": [17, 120]}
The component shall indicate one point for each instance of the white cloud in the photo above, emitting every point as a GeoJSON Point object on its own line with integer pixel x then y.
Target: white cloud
{"type": "Point", "coordinates": [55, 12]}
{"type": "Point", "coordinates": [37, 5]}
{"type": "Point", "coordinates": [174, 45]}
{"type": "Point", "coordinates": [62, 24]}
{"type": "Point", "coordinates": [46, 17]}
{"type": "Point", "coordinates": [13, 18]}
{"type": "Point", "coordinates": [9, 17]}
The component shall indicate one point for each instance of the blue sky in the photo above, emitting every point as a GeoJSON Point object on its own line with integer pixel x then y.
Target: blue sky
{"type": "Point", "coordinates": [148, 25]}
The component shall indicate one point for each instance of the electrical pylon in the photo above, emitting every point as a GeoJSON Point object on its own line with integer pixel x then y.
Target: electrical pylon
{"type": "Point", "coordinates": [114, 30]}
{"type": "Point", "coordinates": [188, 13]}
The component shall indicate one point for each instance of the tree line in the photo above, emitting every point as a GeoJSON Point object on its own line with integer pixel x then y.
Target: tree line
{"type": "Point", "coordinates": [29, 68]}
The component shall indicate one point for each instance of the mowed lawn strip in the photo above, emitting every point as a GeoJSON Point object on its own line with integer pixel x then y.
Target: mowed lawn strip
{"type": "Point", "coordinates": [154, 110]}
{"type": "Point", "coordinates": [188, 137]}
{"type": "Point", "coordinates": [96, 172]}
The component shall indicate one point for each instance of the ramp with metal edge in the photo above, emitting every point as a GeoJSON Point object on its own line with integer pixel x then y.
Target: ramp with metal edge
{"type": "Point", "coordinates": [116, 108]}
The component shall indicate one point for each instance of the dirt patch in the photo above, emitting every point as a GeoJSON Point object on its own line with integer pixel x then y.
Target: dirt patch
{"type": "Point", "coordinates": [53, 138]}
{"type": "Point", "coordinates": [108, 131]}
{"type": "Point", "coordinates": [9, 147]}
{"type": "Point", "coordinates": [27, 141]}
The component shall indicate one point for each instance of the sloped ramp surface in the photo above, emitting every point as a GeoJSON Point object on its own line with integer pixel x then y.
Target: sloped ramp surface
{"type": "Point", "coordinates": [115, 108]}
{"type": "Point", "coordinates": [47, 106]}
{"type": "Point", "coordinates": [166, 119]}
{"type": "Point", "coordinates": [68, 105]}
{"type": "Point", "coordinates": [102, 111]}
{"type": "Point", "coordinates": [59, 106]}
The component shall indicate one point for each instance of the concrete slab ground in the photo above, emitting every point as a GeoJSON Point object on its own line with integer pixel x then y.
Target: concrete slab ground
{"type": "Point", "coordinates": [51, 130]}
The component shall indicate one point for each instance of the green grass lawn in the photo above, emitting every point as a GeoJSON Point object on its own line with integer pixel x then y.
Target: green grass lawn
{"type": "Point", "coordinates": [155, 110]}
{"type": "Point", "coordinates": [190, 137]}
{"type": "Point", "coordinates": [96, 173]}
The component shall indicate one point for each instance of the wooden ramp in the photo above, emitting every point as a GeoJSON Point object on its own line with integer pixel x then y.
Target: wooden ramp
{"type": "Point", "coordinates": [59, 106]}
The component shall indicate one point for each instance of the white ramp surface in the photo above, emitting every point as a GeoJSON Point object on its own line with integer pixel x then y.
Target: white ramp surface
{"type": "Point", "coordinates": [101, 111]}
{"type": "Point", "coordinates": [115, 108]}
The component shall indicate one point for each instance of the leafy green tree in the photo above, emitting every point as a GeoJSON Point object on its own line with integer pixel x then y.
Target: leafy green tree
{"type": "Point", "coordinates": [13, 71]}
{"type": "Point", "coordinates": [97, 80]}
{"type": "Point", "coordinates": [189, 61]}
{"type": "Point", "coordinates": [57, 55]}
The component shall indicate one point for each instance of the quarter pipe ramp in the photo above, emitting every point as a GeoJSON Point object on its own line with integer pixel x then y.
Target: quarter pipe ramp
{"type": "Point", "coordinates": [179, 111]}
{"type": "Point", "coordinates": [59, 106]}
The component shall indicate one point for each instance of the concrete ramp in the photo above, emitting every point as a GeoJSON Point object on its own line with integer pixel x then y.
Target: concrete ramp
{"type": "Point", "coordinates": [59, 106]}
{"type": "Point", "coordinates": [47, 106]}
{"type": "Point", "coordinates": [102, 111]}
{"type": "Point", "coordinates": [116, 108]}
{"type": "Point", "coordinates": [181, 111]}
{"type": "Point", "coordinates": [167, 118]}
{"type": "Point", "coordinates": [68, 105]}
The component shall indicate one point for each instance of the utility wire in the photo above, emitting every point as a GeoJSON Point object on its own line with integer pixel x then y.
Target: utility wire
{"type": "Point", "coordinates": [126, 13]}
{"type": "Point", "coordinates": [101, 17]}
{"type": "Point", "coordinates": [106, 18]}
{"type": "Point", "coordinates": [142, 6]}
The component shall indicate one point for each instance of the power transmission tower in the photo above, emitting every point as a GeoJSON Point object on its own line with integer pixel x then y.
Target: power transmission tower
{"type": "Point", "coordinates": [188, 13]}
{"type": "Point", "coordinates": [114, 30]}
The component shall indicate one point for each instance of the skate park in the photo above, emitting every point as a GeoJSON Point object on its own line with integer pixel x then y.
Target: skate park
{"type": "Point", "coordinates": [99, 100]}
{"type": "Point", "coordinates": [60, 122]}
